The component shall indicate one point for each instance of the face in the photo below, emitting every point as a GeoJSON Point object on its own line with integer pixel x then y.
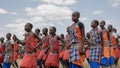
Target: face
{"type": "Point", "coordinates": [2, 39]}
{"type": "Point", "coordinates": [37, 31]}
{"type": "Point", "coordinates": [93, 24]}
{"type": "Point", "coordinates": [28, 27]}
{"type": "Point", "coordinates": [102, 24]}
{"type": "Point", "coordinates": [110, 27]}
{"type": "Point", "coordinates": [8, 36]}
{"type": "Point", "coordinates": [68, 29]}
{"type": "Point", "coordinates": [62, 36]}
{"type": "Point", "coordinates": [52, 31]}
{"type": "Point", "coordinates": [44, 31]}
{"type": "Point", "coordinates": [75, 17]}
{"type": "Point", "coordinates": [14, 38]}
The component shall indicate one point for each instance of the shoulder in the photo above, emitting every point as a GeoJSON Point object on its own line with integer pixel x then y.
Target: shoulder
{"type": "Point", "coordinates": [81, 25]}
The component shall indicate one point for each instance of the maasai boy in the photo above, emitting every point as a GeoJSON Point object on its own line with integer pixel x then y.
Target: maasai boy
{"type": "Point", "coordinates": [29, 59]}
{"type": "Point", "coordinates": [66, 55]}
{"type": "Point", "coordinates": [16, 51]}
{"type": "Point", "coordinates": [38, 50]}
{"type": "Point", "coordinates": [77, 36]}
{"type": "Point", "coordinates": [44, 52]}
{"type": "Point", "coordinates": [112, 43]}
{"type": "Point", "coordinates": [95, 45]}
{"type": "Point", "coordinates": [105, 48]}
{"type": "Point", "coordinates": [53, 57]}
{"type": "Point", "coordinates": [61, 53]}
{"type": "Point", "coordinates": [8, 58]}
{"type": "Point", "coordinates": [2, 50]}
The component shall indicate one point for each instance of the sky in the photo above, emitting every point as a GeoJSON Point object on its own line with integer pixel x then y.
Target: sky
{"type": "Point", "coordinates": [14, 14]}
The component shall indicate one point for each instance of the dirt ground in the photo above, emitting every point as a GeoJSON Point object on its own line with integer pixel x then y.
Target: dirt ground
{"type": "Point", "coordinates": [86, 65]}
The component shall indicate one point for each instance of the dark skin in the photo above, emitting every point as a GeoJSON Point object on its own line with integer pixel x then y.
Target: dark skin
{"type": "Point", "coordinates": [94, 25]}
{"type": "Point", "coordinates": [28, 28]}
{"type": "Point", "coordinates": [110, 28]}
{"type": "Point", "coordinates": [37, 31]}
{"type": "Point", "coordinates": [15, 40]}
{"type": "Point", "coordinates": [75, 19]}
{"type": "Point", "coordinates": [45, 33]}
{"type": "Point", "coordinates": [52, 32]}
{"type": "Point", "coordinates": [2, 40]}
{"type": "Point", "coordinates": [8, 36]}
{"type": "Point", "coordinates": [102, 24]}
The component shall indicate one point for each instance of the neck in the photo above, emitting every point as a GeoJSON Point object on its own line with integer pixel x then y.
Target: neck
{"type": "Point", "coordinates": [53, 34]}
{"type": "Point", "coordinates": [76, 21]}
{"type": "Point", "coordinates": [102, 27]}
{"type": "Point", "coordinates": [8, 39]}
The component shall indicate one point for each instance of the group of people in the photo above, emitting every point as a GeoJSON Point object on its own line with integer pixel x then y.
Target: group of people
{"type": "Point", "coordinates": [100, 46]}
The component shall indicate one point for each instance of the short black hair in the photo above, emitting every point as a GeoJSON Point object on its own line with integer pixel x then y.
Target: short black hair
{"type": "Point", "coordinates": [38, 30]}
{"type": "Point", "coordinates": [96, 21]}
{"type": "Point", "coordinates": [9, 34]}
{"type": "Point", "coordinates": [54, 28]}
{"type": "Point", "coordinates": [46, 29]}
{"type": "Point", "coordinates": [30, 25]}
{"type": "Point", "coordinates": [77, 13]}
{"type": "Point", "coordinates": [103, 21]}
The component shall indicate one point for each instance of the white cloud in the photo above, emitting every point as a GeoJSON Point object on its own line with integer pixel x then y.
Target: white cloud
{"type": "Point", "coordinates": [60, 2]}
{"type": "Point", "coordinates": [97, 12]}
{"type": "Point", "coordinates": [13, 13]}
{"type": "Point", "coordinates": [3, 11]}
{"type": "Point", "coordinates": [49, 11]}
{"type": "Point", "coordinates": [83, 19]}
{"type": "Point", "coordinates": [114, 3]}
{"type": "Point", "coordinates": [18, 26]}
{"type": "Point", "coordinates": [56, 2]}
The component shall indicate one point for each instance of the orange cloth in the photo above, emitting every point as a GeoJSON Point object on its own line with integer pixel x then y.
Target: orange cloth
{"type": "Point", "coordinates": [52, 60]}
{"type": "Point", "coordinates": [61, 54]}
{"type": "Point", "coordinates": [81, 61]}
{"type": "Point", "coordinates": [113, 52]}
{"type": "Point", "coordinates": [16, 55]}
{"type": "Point", "coordinates": [29, 61]}
{"type": "Point", "coordinates": [106, 51]}
{"type": "Point", "coordinates": [66, 55]}
{"type": "Point", "coordinates": [114, 41]}
{"type": "Point", "coordinates": [79, 34]}
{"type": "Point", "coordinates": [16, 48]}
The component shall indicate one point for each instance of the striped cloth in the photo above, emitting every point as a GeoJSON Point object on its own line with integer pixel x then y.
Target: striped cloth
{"type": "Point", "coordinates": [74, 54]}
{"type": "Point", "coordinates": [95, 54]}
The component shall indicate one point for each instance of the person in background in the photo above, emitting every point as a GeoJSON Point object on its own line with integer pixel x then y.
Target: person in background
{"type": "Point", "coordinates": [8, 58]}
{"type": "Point", "coordinates": [53, 57]}
{"type": "Point", "coordinates": [2, 50]}
{"type": "Point", "coordinates": [105, 48]}
{"type": "Point", "coordinates": [95, 44]}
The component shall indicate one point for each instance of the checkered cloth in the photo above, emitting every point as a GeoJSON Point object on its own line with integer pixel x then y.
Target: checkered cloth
{"type": "Point", "coordinates": [7, 58]}
{"type": "Point", "coordinates": [74, 54]}
{"type": "Point", "coordinates": [98, 38]}
{"type": "Point", "coordinates": [73, 36]}
{"type": "Point", "coordinates": [94, 54]}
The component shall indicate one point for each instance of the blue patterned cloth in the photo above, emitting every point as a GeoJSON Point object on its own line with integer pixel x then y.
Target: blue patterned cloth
{"type": "Point", "coordinates": [74, 54]}
{"type": "Point", "coordinates": [94, 54]}
{"type": "Point", "coordinates": [94, 65]}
